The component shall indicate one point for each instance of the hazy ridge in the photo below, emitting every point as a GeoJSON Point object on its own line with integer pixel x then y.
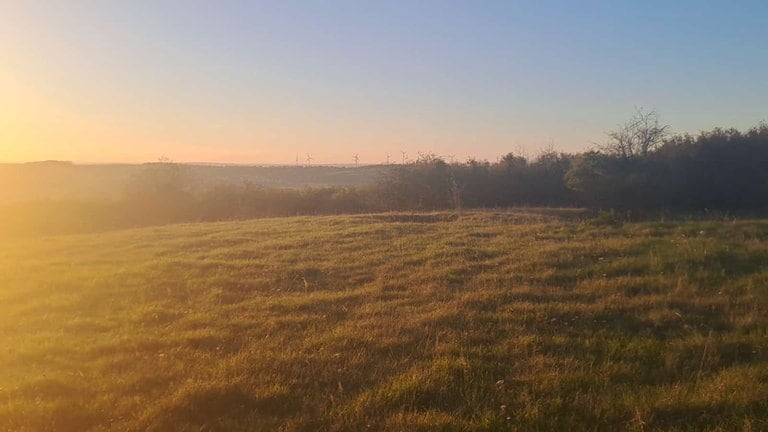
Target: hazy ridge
{"type": "Point", "coordinates": [63, 180]}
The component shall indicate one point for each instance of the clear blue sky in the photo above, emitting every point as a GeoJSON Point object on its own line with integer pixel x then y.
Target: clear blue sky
{"type": "Point", "coordinates": [263, 81]}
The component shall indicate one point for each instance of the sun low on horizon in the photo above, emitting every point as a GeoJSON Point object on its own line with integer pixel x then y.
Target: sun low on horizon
{"type": "Point", "coordinates": [274, 82]}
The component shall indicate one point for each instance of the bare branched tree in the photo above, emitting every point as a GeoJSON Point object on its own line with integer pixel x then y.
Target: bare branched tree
{"type": "Point", "coordinates": [638, 137]}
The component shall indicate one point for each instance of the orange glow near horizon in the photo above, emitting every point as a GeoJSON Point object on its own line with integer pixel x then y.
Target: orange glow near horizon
{"type": "Point", "coordinates": [35, 127]}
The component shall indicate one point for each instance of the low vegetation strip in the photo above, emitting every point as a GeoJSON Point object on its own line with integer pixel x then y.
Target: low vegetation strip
{"type": "Point", "coordinates": [484, 321]}
{"type": "Point", "coordinates": [638, 172]}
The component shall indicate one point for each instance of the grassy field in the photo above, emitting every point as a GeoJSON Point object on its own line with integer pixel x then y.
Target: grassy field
{"type": "Point", "coordinates": [488, 321]}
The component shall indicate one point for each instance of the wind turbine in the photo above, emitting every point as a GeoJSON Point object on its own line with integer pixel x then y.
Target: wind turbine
{"type": "Point", "coordinates": [309, 159]}
{"type": "Point", "coordinates": [356, 159]}
{"type": "Point", "coordinates": [387, 158]}
{"type": "Point", "coordinates": [404, 158]}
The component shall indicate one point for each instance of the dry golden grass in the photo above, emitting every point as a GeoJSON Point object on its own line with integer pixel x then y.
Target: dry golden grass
{"type": "Point", "coordinates": [491, 321]}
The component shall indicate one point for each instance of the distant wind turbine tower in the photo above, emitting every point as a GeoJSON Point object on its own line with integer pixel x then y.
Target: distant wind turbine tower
{"type": "Point", "coordinates": [309, 159]}
{"type": "Point", "coordinates": [404, 157]}
{"type": "Point", "coordinates": [387, 158]}
{"type": "Point", "coordinates": [356, 159]}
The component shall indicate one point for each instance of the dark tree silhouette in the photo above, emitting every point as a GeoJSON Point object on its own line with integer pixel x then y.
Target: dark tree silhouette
{"type": "Point", "coordinates": [639, 136]}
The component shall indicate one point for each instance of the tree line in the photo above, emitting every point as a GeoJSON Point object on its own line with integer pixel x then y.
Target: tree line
{"type": "Point", "coordinates": [640, 168]}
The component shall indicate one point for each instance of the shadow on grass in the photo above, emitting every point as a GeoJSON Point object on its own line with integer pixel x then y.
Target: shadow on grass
{"type": "Point", "coordinates": [206, 408]}
{"type": "Point", "coordinates": [708, 417]}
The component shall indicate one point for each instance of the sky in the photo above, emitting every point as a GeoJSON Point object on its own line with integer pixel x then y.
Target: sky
{"type": "Point", "coordinates": [271, 81]}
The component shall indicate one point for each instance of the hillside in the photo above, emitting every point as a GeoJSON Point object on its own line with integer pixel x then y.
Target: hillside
{"type": "Point", "coordinates": [62, 180]}
{"type": "Point", "coordinates": [526, 320]}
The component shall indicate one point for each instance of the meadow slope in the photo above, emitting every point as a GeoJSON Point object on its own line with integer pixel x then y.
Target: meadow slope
{"type": "Point", "coordinates": [489, 321]}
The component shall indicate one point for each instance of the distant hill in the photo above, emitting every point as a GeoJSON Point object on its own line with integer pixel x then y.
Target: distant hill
{"type": "Point", "coordinates": [66, 180]}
